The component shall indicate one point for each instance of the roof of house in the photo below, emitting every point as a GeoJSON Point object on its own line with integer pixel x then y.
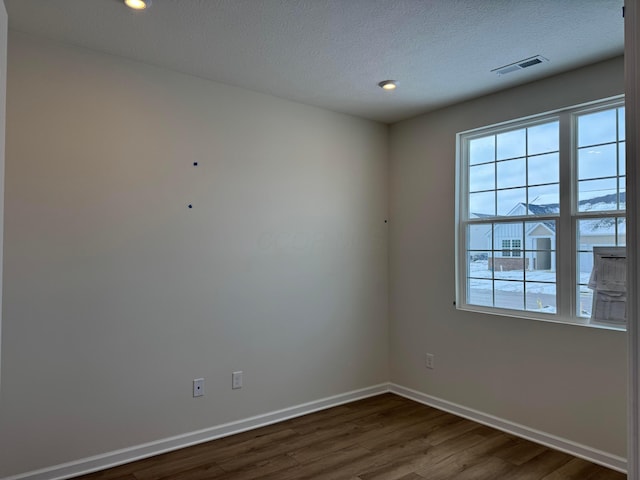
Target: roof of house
{"type": "Point", "coordinates": [596, 226]}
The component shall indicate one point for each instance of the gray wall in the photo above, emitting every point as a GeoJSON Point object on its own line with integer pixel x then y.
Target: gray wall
{"type": "Point", "coordinates": [117, 295]}
{"type": "Point", "coordinates": [3, 88]}
{"type": "Point", "coordinates": [568, 381]}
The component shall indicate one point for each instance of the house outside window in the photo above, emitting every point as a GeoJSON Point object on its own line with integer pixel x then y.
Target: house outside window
{"type": "Point", "coordinates": [506, 248]}
{"type": "Point", "coordinates": [511, 248]}
{"type": "Point", "coordinates": [535, 197]}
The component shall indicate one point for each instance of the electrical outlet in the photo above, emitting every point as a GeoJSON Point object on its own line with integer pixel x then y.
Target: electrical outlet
{"type": "Point", "coordinates": [198, 387]}
{"type": "Point", "coordinates": [236, 380]}
{"type": "Point", "coordinates": [431, 361]}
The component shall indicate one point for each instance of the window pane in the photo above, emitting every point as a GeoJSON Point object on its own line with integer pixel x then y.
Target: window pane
{"type": "Point", "coordinates": [482, 150]}
{"type": "Point", "coordinates": [622, 164]}
{"type": "Point", "coordinates": [482, 177]}
{"type": "Point", "coordinates": [511, 144]}
{"type": "Point", "coordinates": [508, 268]}
{"type": "Point", "coordinates": [621, 132]}
{"type": "Point", "coordinates": [544, 169]}
{"type": "Point", "coordinates": [479, 237]}
{"type": "Point", "coordinates": [597, 195]}
{"type": "Point", "coordinates": [542, 266]}
{"type": "Point", "coordinates": [506, 248]}
{"type": "Point", "coordinates": [516, 248]}
{"type": "Point", "coordinates": [621, 158]}
{"type": "Point", "coordinates": [584, 297]}
{"type": "Point", "coordinates": [482, 204]}
{"type": "Point", "coordinates": [540, 235]}
{"type": "Point", "coordinates": [509, 200]}
{"type": "Point", "coordinates": [480, 292]}
{"type": "Point", "coordinates": [512, 173]}
{"type": "Point", "coordinates": [544, 200]}
{"type": "Point", "coordinates": [622, 232]}
{"type": "Point", "coordinates": [508, 258]}
{"type": "Point", "coordinates": [585, 301]}
{"type": "Point", "coordinates": [507, 231]}
{"type": "Point", "coordinates": [478, 265]}
{"type": "Point", "coordinates": [585, 265]}
{"type": "Point", "coordinates": [597, 162]}
{"type": "Point", "coordinates": [596, 128]}
{"type": "Point", "coordinates": [509, 294]}
{"type": "Point", "coordinates": [543, 138]}
{"type": "Point", "coordinates": [622, 185]}
{"type": "Point", "coordinates": [541, 297]}
{"type": "Point", "coordinates": [600, 232]}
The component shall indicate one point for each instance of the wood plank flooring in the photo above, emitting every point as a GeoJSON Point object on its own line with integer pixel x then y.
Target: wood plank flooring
{"type": "Point", "coordinates": [386, 437]}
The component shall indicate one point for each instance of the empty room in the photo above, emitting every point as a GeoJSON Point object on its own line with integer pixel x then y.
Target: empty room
{"type": "Point", "coordinates": [332, 239]}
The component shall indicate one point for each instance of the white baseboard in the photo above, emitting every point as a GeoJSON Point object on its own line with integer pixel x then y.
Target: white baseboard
{"type": "Point", "coordinates": [582, 451]}
{"type": "Point", "coordinates": [138, 452]}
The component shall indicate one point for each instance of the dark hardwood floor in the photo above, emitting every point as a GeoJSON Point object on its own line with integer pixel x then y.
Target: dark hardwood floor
{"type": "Point", "coordinates": [380, 438]}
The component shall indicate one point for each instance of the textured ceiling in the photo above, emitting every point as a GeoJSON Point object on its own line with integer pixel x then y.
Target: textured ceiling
{"type": "Point", "coordinates": [332, 53]}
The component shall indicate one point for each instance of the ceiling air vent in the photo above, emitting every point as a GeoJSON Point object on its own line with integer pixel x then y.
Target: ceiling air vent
{"type": "Point", "coordinates": [513, 67]}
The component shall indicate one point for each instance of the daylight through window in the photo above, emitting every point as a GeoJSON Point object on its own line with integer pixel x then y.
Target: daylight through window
{"type": "Point", "coordinates": [535, 197]}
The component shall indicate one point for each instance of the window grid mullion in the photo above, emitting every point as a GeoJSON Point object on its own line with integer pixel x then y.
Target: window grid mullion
{"type": "Point", "coordinates": [493, 270]}
{"type": "Point", "coordinates": [495, 176]}
{"type": "Point", "coordinates": [617, 144]}
{"type": "Point", "coordinates": [565, 261]}
{"type": "Point", "coordinates": [523, 249]}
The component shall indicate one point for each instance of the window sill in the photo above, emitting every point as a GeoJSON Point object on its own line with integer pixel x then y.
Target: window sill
{"type": "Point", "coordinates": [550, 318]}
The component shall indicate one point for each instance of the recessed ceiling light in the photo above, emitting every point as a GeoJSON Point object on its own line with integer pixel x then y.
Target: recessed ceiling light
{"type": "Point", "coordinates": [388, 85]}
{"type": "Point", "coordinates": [138, 4]}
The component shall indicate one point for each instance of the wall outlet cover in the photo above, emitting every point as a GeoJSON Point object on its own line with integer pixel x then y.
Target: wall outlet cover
{"type": "Point", "coordinates": [198, 387]}
{"type": "Point", "coordinates": [430, 360]}
{"type": "Point", "coordinates": [236, 380]}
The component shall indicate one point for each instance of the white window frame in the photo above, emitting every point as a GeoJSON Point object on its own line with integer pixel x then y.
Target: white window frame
{"type": "Point", "coordinates": [566, 247]}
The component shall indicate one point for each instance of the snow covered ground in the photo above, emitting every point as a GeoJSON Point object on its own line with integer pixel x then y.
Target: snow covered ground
{"type": "Point", "coordinates": [508, 288]}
